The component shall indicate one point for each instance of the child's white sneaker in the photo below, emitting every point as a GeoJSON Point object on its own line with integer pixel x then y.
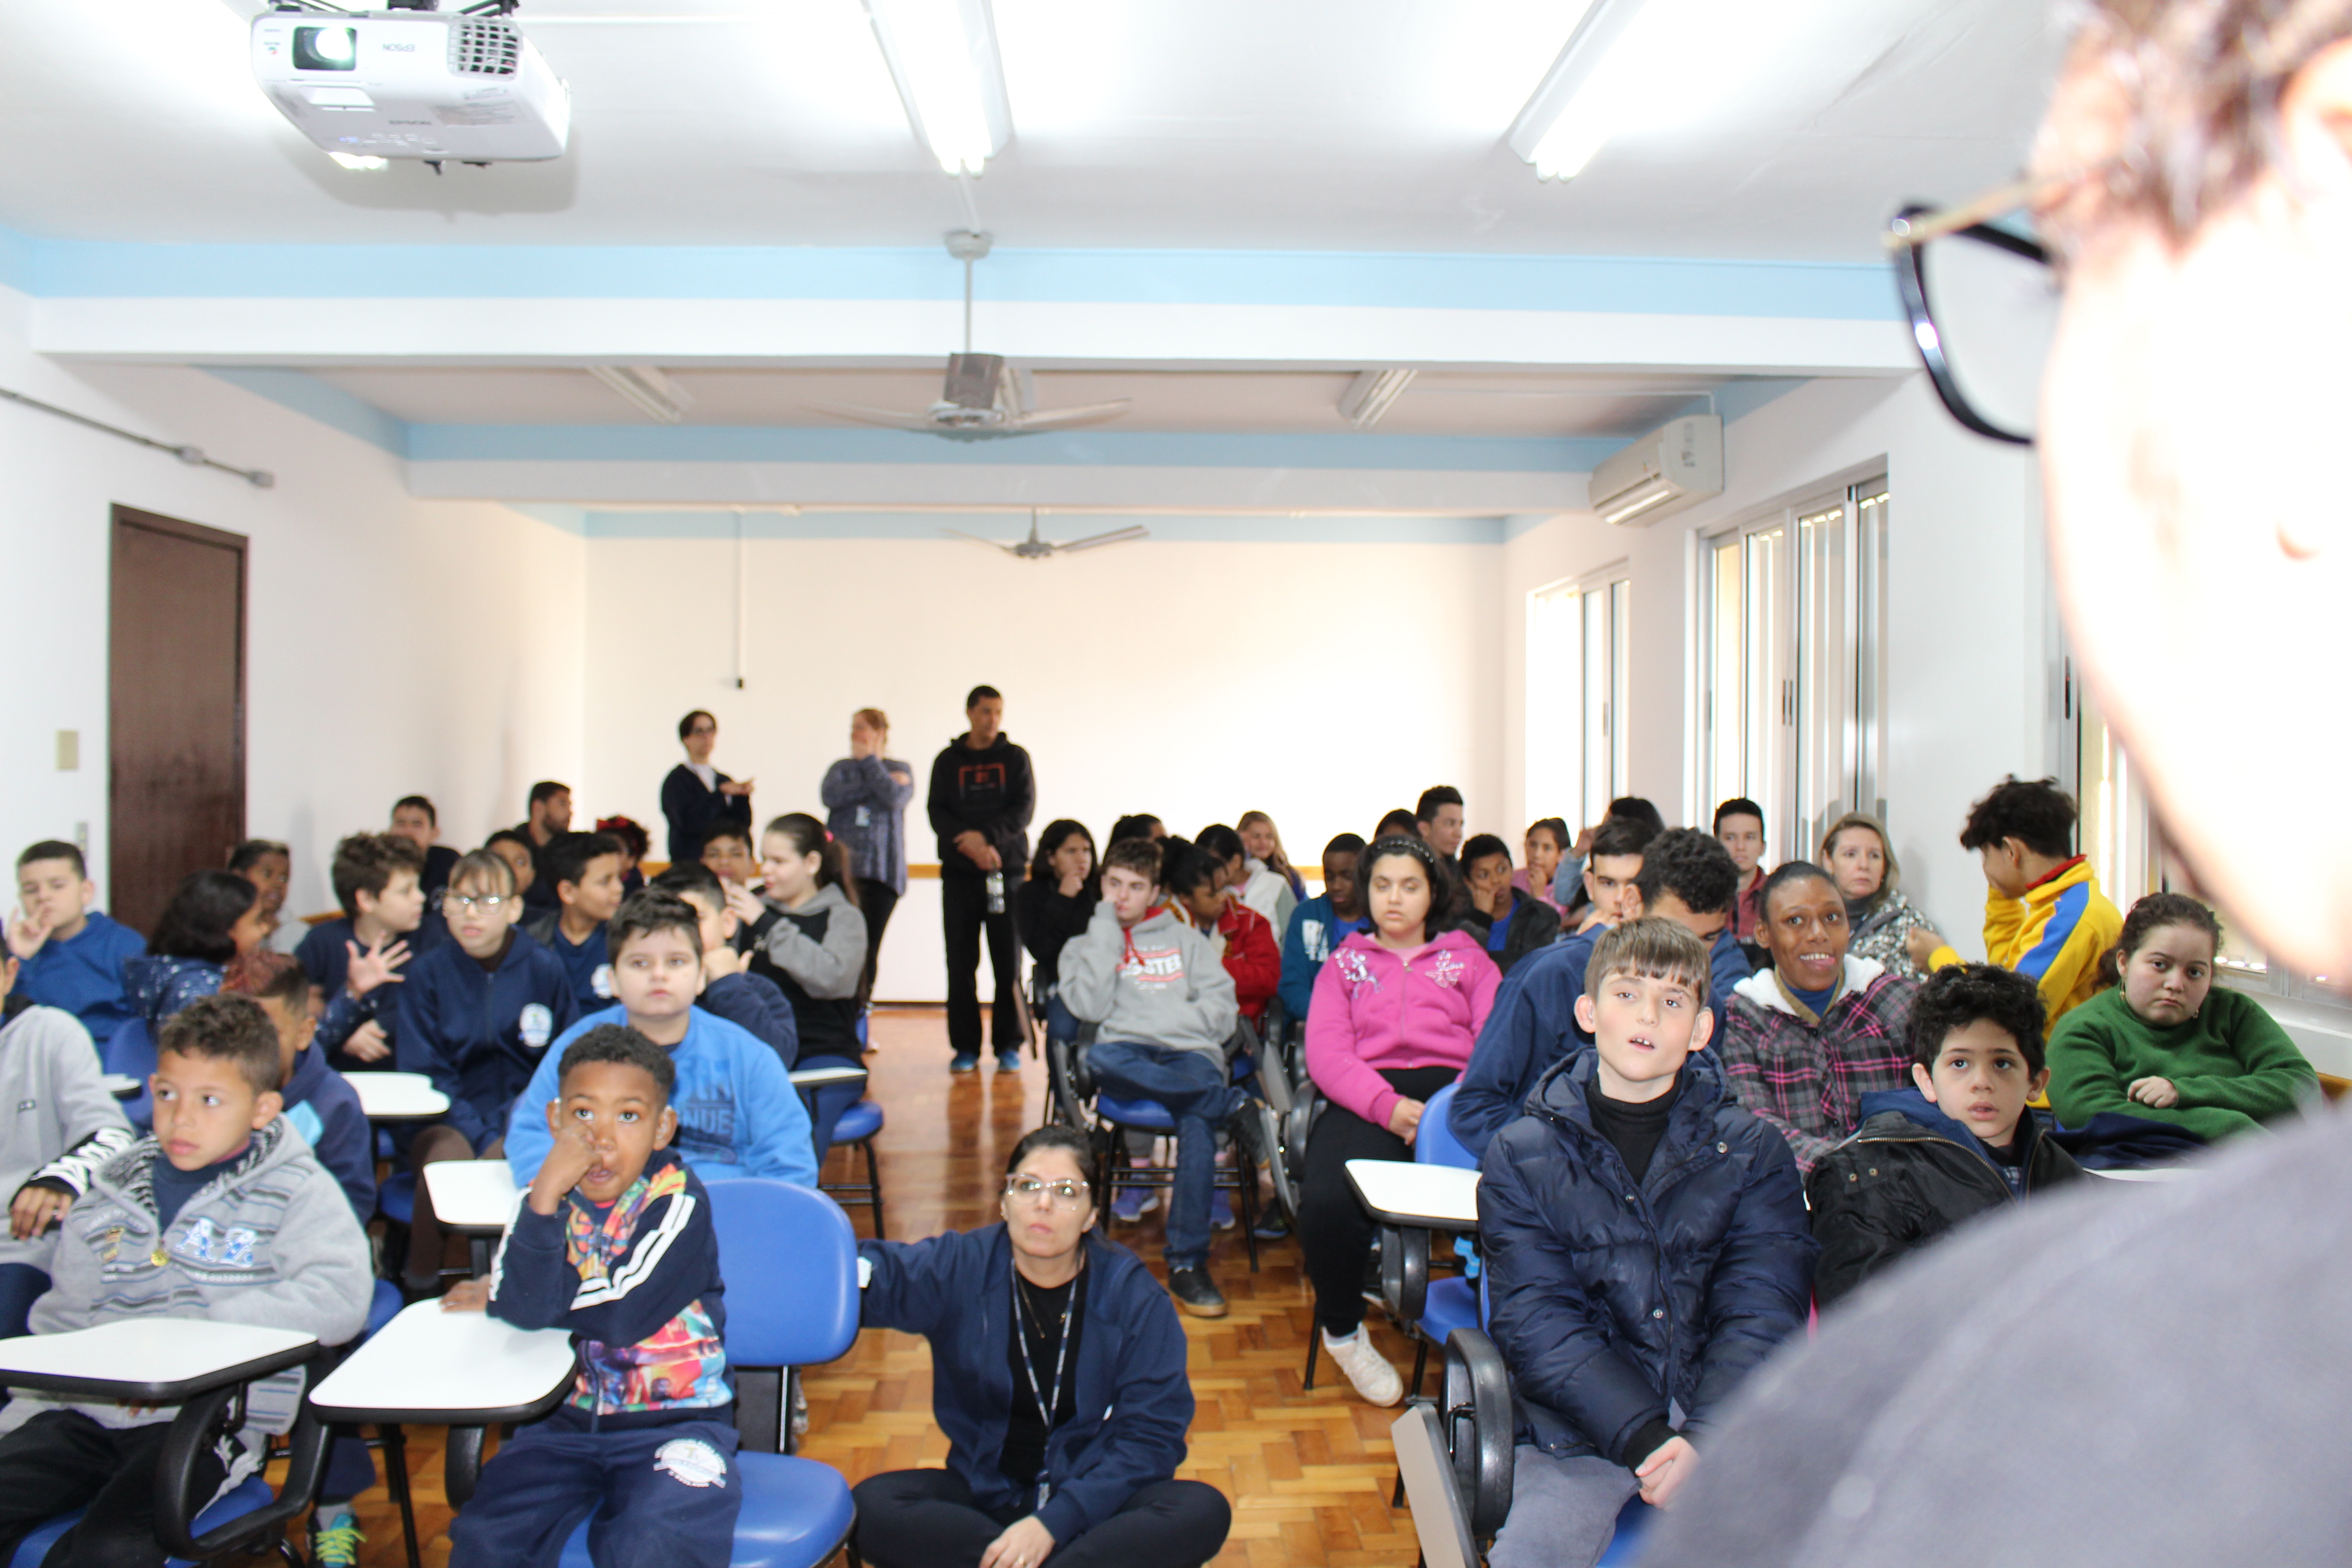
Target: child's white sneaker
{"type": "Point", "coordinates": [1366, 1367]}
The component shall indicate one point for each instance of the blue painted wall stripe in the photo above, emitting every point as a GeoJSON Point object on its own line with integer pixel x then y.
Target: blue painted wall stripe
{"type": "Point", "coordinates": [927, 526]}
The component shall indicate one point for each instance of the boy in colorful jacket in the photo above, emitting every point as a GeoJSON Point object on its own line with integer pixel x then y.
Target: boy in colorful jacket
{"type": "Point", "coordinates": [2044, 915]}
{"type": "Point", "coordinates": [613, 1241]}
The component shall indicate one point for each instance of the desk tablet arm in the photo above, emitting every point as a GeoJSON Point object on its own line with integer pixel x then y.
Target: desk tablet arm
{"type": "Point", "coordinates": [204, 1420]}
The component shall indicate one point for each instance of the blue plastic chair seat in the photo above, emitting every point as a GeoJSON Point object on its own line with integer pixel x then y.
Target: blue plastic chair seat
{"type": "Point", "coordinates": [243, 1498]}
{"type": "Point", "coordinates": [795, 1511]}
{"type": "Point", "coordinates": [1148, 1114]}
{"type": "Point", "coordinates": [131, 1052]}
{"type": "Point", "coordinates": [396, 1199]}
{"type": "Point", "coordinates": [1633, 1521]}
{"type": "Point", "coordinates": [383, 1306]}
{"type": "Point", "coordinates": [1452, 1304]}
{"type": "Point", "coordinates": [859, 1122]}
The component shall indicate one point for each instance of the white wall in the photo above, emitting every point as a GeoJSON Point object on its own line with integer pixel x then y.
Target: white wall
{"type": "Point", "coordinates": [1320, 683]}
{"type": "Point", "coordinates": [393, 645]}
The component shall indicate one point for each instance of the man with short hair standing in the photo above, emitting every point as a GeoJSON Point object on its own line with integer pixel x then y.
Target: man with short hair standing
{"type": "Point", "coordinates": [981, 798]}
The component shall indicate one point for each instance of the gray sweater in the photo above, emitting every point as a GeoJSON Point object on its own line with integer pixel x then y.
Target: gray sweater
{"type": "Point", "coordinates": [865, 808]}
{"type": "Point", "coordinates": [272, 1243]}
{"type": "Point", "coordinates": [1157, 983]}
{"type": "Point", "coordinates": [62, 1123]}
{"type": "Point", "coordinates": [827, 969]}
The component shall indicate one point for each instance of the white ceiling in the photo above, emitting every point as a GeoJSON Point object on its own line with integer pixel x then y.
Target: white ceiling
{"type": "Point", "coordinates": [1773, 131]}
{"type": "Point", "coordinates": [1283, 401]}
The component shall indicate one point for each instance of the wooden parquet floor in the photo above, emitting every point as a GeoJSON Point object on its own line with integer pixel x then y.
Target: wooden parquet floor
{"type": "Point", "coordinates": [1308, 1474]}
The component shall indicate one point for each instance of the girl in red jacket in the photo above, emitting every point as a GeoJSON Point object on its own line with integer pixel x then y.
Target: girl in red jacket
{"type": "Point", "coordinates": [1395, 1014]}
{"type": "Point", "coordinates": [1243, 937]}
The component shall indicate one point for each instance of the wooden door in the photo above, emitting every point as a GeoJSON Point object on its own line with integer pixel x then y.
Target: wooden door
{"type": "Point", "coordinates": [176, 707]}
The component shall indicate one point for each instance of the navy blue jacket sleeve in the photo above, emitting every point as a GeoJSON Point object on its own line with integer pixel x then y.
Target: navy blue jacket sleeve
{"type": "Point", "coordinates": [1507, 1059]}
{"type": "Point", "coordinates": [912, 1282]}
{"type": "Point", "coordinates": [1298, 971]}
{"type": "Point", "coordinates": [1144, 1439]}
{"type": "Point", "coordinates": [755, 1004]}
{"type": "Point", "coordinates": [347, 1148]}
{"type": "Point", "coordinates": [1728, 966]}
{"type": "Point", "coordinates": [673, 1256]}
{"type": "Point", "coordinates": [1763, 1278]}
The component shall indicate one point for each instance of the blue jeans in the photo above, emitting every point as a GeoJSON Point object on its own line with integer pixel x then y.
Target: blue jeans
{"type": "Point", "coordinates": [1191, 1086]}
{"type": "Point", "coordinates": [21, 1285]}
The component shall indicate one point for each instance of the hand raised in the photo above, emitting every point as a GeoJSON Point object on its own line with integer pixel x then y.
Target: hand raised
{"type": "Point", "coordinates": [26, 934]}
{"type": "Point", "coordinates": [376, 966]}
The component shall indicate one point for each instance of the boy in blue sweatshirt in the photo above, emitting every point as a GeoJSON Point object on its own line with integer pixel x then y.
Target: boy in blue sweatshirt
{"type": "Point", "coordinates": [1685, 876]}
{"type": "Point", "coordinates": [613, 1241]}
{"type": "Point", "coordinates": [1318, 926]}
{"type": "Point", "coordinates": [71, 956]}
{"type": "Point", "coordinates": [585, 869]}
{"type": "Point", "coordinates": [730, 990]}
{"type": "Point", "coordinates": [737, 1110]}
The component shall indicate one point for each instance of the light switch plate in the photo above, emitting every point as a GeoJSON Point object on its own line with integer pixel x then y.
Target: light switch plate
{"type": "Point", "coordinates": [69, 751]}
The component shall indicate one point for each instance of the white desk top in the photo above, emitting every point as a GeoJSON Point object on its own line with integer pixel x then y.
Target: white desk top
{"type": "Point", "coordinates": [397, 1096]}
{"type": "Point", "coordinates": [471, 1194]}
{"type": "Point", "coordinates": [2152, 1174]}
{"type": "Point", "coordinates": [1444, 1197]}
{"type": "Point", "coordinates": [122, 1086]}
{"type": "Point", "coordinates": [158, 1357]}
{"type": "Point", "coordinates": [809, 1078]}
{"type": "Point", "coordinates": [452, 1369]}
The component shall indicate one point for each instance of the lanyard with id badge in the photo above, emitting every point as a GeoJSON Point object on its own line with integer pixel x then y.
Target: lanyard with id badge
{"type": "Point", "coordinates": [1045, 1405]}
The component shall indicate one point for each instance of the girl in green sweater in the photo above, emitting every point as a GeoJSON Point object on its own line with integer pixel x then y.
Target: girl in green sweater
{"type": "Point", "coordinates": [2162, 1042]}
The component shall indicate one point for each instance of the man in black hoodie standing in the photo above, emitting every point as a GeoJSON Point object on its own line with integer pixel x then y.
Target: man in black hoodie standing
{"type": "Point", "coordinates": [983, 796]}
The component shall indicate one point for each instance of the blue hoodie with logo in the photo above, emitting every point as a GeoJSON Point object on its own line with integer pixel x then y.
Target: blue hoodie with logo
{"type": "Point", "coordinates": [480, 1034]}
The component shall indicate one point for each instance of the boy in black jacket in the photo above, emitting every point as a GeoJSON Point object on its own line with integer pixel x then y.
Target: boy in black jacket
{"type": "Point", "coordinates": [613, 1241]}
{"type": "Point", "coordinates": [1963, 1141]}
{"type": "Point", "coordinates": [1646, 1246]}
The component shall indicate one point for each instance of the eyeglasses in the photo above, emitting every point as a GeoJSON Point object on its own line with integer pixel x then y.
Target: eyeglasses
{"type": "Point", "coordinates": [1982, 304]}
{"type": "Point", "coordinates": [468, 902]}
{"type": "Point", "coordinates": [1062, 1193]}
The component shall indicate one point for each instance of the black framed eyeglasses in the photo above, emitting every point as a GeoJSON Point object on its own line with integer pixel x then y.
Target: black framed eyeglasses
{"type": "Point", "coordinates": [1981, 302]}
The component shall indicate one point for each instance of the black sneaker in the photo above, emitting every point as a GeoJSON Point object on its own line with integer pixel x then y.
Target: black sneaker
{"type": "Point", "coordinates": [1194, 1293]}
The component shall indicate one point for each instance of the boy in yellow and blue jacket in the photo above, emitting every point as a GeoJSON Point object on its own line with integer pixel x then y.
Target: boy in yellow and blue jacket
{"type": "Point", "coordinates": [2044, 915]}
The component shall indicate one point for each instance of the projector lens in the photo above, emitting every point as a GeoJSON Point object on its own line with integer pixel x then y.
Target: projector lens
{"type": "Point", "coordinates": [326, 48]}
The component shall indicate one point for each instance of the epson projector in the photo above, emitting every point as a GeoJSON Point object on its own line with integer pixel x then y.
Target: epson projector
{"type": "Point", "coordinates": [413, 84]}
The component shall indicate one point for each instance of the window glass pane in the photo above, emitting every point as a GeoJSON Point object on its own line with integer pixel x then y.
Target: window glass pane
{"type": "Point", "coordinates": [1598, 721]}
{"type": "Point", "coordinates": [1824, 675]}
{"type": "Point", "coordinates": [1870, 666]}
{"type": "Point", "coordinates": [1725, 713]}
{"type": "Point", "coordinates": [1554, 703]}
{"type": "Point", "coordinates": [1768, 699]}
{"type": "Point", "coordinates": [1620, 664]}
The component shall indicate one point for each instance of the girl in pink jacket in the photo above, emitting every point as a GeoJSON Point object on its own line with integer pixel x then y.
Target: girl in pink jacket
{"type": "Point", "coordinates": [1396, 1012]}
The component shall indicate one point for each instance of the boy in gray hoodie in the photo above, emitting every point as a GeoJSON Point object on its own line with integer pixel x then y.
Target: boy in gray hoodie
{"type": "Point", "coordinates": [1165, 1006]}
{"type": "Point", "coordinates": [221, 1213]}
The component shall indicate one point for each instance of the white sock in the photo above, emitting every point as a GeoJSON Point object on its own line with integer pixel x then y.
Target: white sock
{"type": "Point", "coordinates": [1348, 1338]}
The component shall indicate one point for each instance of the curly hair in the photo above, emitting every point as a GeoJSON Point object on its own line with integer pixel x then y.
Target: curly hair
{"type": "Point", "coordinates": [1962, 993]}
{"type": "Point", "coordinates": [365, 862]}
{"type": "Point", "coordinates": [2035, 812]}
{"type": "Point", "coordinates": [619, 1044]}
{"type": "Point", "coordinates": [1694, 866]}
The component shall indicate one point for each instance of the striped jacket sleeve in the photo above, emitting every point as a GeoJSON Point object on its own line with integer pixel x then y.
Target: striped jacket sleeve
{"type": "Point", "coordinates": [671, 1260]}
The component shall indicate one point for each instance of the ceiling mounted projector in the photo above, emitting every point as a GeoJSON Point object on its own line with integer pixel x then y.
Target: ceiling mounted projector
{"type": "Point", "coordinates": [411, 83]}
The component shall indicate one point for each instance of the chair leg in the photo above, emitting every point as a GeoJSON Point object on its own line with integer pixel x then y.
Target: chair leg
{"type": "Point", "coordinates": [395, 1444]}
{"type": "Point", "coordinates": [1314, 1343]}
{"type": "Point", "coordinates": [1419, 1365]}
{"type": "Point", "coordinates": [873, 1183]}
{"type": "Point", "coordinates": [1247, 1171]}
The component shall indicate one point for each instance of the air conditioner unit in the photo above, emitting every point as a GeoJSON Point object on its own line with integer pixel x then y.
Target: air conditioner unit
{"type": "Point", "coordinates": [413, 84]}
{"type": "Point", "coordinates": [1664, 471]}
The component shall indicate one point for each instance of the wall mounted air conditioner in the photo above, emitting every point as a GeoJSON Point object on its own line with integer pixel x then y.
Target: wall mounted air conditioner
{"type": "Point", "coordinates": [1664, 471]}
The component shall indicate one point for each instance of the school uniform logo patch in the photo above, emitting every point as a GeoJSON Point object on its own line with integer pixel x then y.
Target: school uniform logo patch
{"type": "Point", "coordinates": [601, 982]}
{"type": "Point", "coordinates": [691, 1462]}
{"type": "Point", "coordinates": [536, 1024]}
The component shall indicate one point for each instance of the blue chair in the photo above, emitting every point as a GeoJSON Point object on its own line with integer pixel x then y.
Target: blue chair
{"type": "Point", "coordinates": [1451, 1303]}
{"type": "Point", "coordinates": [247, 1495]}
{"type": "Point", "coordinates": [792, 1301]}
{"type": "Point", "coordinates": [130, 1050]}
{"type": "Point", "coordinates": [857, 1127]}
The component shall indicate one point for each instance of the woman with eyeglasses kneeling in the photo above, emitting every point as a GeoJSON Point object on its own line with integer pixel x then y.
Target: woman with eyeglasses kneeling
{"type": "Point", "coordinates": [1057, 1373]}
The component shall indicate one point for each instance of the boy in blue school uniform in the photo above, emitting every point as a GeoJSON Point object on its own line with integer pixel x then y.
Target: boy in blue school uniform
{"type": "Point", "coordinates": [738, 1112]}
{"type": "Point", "coordinates": [585, 871]}
{"type": "Point", "coordinates": [352, 961]}
{"type": "Point", "coordinates": [1319, 925]}
{"type": "Point", "coordinates": [613, 1240]}
{"type": "Point", "coordinates": [71, 956]}
{"type": "Point", "coordinates": [317, 1101]}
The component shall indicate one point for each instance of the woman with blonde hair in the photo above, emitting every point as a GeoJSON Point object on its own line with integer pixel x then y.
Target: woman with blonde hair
{"type": "Point", "coordinates": [1264, 842]}
{"type": "Point", "coordinates": [865, 795]}
{"type": "Point", "coordinates": [1861, 861]}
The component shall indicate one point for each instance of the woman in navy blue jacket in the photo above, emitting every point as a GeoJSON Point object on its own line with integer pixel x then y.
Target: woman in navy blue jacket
{"type": "Point", "coordinates": [1040, 1314]}
{"type": "Point", "coordinates": [697, 798]}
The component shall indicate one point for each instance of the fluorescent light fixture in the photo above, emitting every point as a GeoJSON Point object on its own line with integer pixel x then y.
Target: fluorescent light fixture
{"type": "Point", "coordinates": [942, 55]}
{"type": "Point", "coordinates": [360, 160]}
{"type": "Point", "coordinates": [1576, 106]}
{"type": "Point", "coordinates": [1368, 396]}
{"type": "Point", "coordinates": [652, 392]}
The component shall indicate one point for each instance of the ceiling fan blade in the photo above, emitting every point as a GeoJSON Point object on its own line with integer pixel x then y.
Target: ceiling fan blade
{"type": "Point", "coordinates": [1059, 419]}
{"type": "Point", "coordinates": [992, 544]}
{"type": "Point", "coordinates": [1119, 536]}
{"type": "Point", "coordinates": [884, 417]}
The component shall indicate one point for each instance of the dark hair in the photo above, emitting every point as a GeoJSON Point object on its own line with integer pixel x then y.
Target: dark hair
{"type": "Point", "coordinates": [730, 829]}
{"type": "Point", "coordinates": [226, 1028]}
{"type": "Point", "coordinates": [1058, 832]}
{"type": "Point", "coordinates": [267, 976]}
{"type": "Point", "coordinates": [2036, 813]}
{"type": "Point", "coordinates": [566, 857]}
{"type": "Point", "coordinates": [204, 908]}
{"type": "Point", "coordinates": [1694, 866]}
{"type": "Point", "coordinates": [56, 850]}
{"type": "Point", "coordinates": [978, 694]}
{"type": "Point", "coordinates": [1222, 842]}
{"type": "Point", "coordinates": [421, 804]}
{"type": "Point", "coordinates": [1184, 867]}
{"type": "Point", "coordinates": [647, 912]}
{"type": "Point", "coordinates": [1737, 805]}
{"type": "Point", "coordinates": [1343, 844]}
{"type": "Point", "coordinates": [809, 838]}
{"type": "Point", "coordinates": [547, 789]}
{"type": "Point", "coordinates": [1482, 844]}
{"type": "Point", "coordinates": [1445, 893]}
{"type": "Point", "coordinates": [1634, 808]}
{"type": "Point", "coordinates": [365, 862]}
{"type": "Point", "coordinates": [2148, 917]}
{"type": "Point", "coordinates": [513, 835]}
{"type": "Point", "coordinates": [1788, 871]}
{"type": "Point", "coordinates": [484, 865]}
{"type": "Point", "coordinates": [1139, 826]}
{"type": "Point", "coordinates": [622, 1047]}
{"type": "Point", "coordinates": [252, 852]}
{"type": "Point", "coordinates": [1619, 836]}
{"type": "Point", "coordinates": [1554, 826]}
{"type": "Point", "coordinates": [686, 725]}
{"type": "Point", "coordinates": [1140, 856]}
{"type": "Point", "coordinates": [1651, 949]}
{"type": "Point", "coordinates": [1425, 809]}
{"type": "Point", "coordinates": [1396, 824]}
{"type": "Point", "coordinates": [1054, 1135]}
{"type": "Point", "coordinates": [691, 877]}
{"type": "Point", "coordinates": [1959, 995]}
{"type": "Point", "coordinates": [628, 833]}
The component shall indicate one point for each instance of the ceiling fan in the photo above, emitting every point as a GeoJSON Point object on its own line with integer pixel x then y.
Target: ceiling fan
{"type": "Point", "coordinates": [982, 395]}
{"type": "Point", "coordinates": [1035, 548]}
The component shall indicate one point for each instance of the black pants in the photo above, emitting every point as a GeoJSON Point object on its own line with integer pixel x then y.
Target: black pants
{"type": "Point", "coordinates": [927, 1519]}
{"type": "Point", "coordinates": [62, 1460]}
{"type": "Point", "coordinates": [963, 912]}
{"type": "Point", "coordinates": [1334, 1231]}
{"type": "Point", "coordinates": [875, 901]}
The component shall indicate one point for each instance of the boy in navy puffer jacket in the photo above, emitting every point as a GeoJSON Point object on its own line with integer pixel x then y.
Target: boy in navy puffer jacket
{"type": "Point", "coordinates": [1647, 1247]}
